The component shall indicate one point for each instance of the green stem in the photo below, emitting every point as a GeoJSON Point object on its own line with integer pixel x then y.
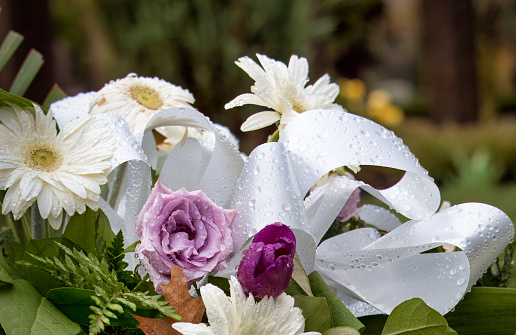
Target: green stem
{"type": "Point", "coordinates": [38, 224]}
{"type": "Point", "coordinates": [18, 228]}
{"type": "Point", "coordinates": [274, 137]}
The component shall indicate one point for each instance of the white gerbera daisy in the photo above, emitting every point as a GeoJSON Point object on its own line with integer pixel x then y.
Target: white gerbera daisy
{"type": "Point", "coordinates": [60, 171]}
{"type": "Point", "coordinates": [282, 89]}
{"type": "Point", "coordinates": [137, 99]}
{"type": "Point", "coordinates": [241, 315]}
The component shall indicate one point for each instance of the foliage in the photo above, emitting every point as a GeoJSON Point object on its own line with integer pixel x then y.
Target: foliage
{"type": "Point", "coordinates": [485, 310]}
{"type": "Point", "coordinates": [415, 317]}
{"type": "Point", "coordinates": [321, 308]}
{"type": "Point", "coordinates": [176, 293]}
{"type": "Point", "coordinates": [33, 313]}
{"type": "Point", "coordinates": [80, 270]}
{"type": "Point", "coordinates": [30, 67]}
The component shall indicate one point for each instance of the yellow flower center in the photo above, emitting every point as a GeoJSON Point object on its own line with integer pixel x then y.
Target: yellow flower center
{"type": "Point", "coordinates": [146, 97]}
{"type": "Point", "coordinates": [297, 107]}
{"type": "Point", "coordinates": [42, 157]}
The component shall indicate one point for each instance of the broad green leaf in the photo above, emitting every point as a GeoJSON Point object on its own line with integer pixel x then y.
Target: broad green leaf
{"type": "Point", "coordinates": [56, 93]}
{"type": "Point", "coordinates": [342, 331]}
{"type": "Point", "coordinates": [340, 315]}
{"type": "Point", "coordinates": [11, 42]}
{"type": "Point", "coordinates": [5, 277]}
{"type": "Point", "coordinates": [27, 72]}
{"type": "Point", "coordinates": [45, 247]}
{"type": "Point", "coordinates": [315, 311]}
{"type": "Point", "coordinates": [220, 282]}
{"type": "Point", "coordinates": [485, 310]}
{"type": "Point", "coordinates": [14, 251]}
{"type": "Point", "coordinates": [373, 323]}
{"type": "Point", "coordinates": [24, 311]}
{"type": "Point", "coordinates": [414, 317]}
{"type": "Point", "coordinates": [85, 230]}
{"type": "Point", "coordinates": [75, 304]}
{"type": "Point", "coordinates": [294, 288]}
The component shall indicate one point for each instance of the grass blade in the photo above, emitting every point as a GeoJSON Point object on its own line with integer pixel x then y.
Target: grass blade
{"type": "Point", "coordinates": [27, 72]}
{"type": "Point", "coordinates": [11, 42]}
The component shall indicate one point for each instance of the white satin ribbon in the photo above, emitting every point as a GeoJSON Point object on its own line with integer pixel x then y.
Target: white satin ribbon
{"type": "Point", "coordinates": [372, 274]}
{"type": "Point", "coordinates": [211, 168]}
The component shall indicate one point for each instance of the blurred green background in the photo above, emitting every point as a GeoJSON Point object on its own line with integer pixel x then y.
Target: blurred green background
{"type": "Point", "coordinates": [440, 73]}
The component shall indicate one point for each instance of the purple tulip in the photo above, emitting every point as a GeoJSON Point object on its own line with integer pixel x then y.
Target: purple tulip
{"type": "Point", "coordinates": [267, 266]}
{"type": "Point", "coordinates": [185, 229]}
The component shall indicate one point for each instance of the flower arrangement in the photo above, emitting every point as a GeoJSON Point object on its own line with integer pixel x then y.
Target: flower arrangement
{"type": "Point", "coordinates": [110, 234]}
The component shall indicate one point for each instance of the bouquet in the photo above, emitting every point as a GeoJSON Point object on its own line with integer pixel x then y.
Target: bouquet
{"type": "Point", "coordinates": [110, 231]}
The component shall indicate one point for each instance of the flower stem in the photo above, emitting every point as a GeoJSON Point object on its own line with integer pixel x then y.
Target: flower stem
{"type": "Point", "coordinates": [274, 137]}
{"type": "Point", "coordinates": [19, 229]}
{"type": "Point", "coordinates": [38, 224]}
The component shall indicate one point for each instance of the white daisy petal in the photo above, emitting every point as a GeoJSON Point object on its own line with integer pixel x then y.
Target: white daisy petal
{"type": "Point", "coordinates": [260, 120]}
{"type": "Point", "coordinates": [186, 328]}
{"type": "Point", "coordinates": [55, 222]}
{"type": "Point", "coordinates": [45, 201]}
{"type": "Point", "coordinates": [9, 119]}
{"type": "Point", "coordinates": [283, 89]}
{"type": "Point", "coordinates": [61, 171]}
{"type": "Point", "coordinates": [246, 99]}
{"type": "Point", "coordinates": [137, 99]}
{"type": "Point", "coordinates": [13, 202]}
{"type": "Point", "coordinates": [241, 315]}
{"type": "Point", "coordinates": [30, 185]}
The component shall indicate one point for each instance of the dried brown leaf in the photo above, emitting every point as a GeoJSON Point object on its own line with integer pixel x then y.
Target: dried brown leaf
{"type": "Point", "coordinates": [176, 293]}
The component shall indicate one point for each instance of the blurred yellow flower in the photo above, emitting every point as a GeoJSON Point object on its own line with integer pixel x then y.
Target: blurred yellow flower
{"type": "Point", "coordinates": [379, 106]}
{"type": "Point", "coordinates": [352, 90]}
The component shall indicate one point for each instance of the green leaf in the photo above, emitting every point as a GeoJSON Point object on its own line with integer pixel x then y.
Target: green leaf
{"type": "Point", "coordinates": [24, 311]}
{"type": "Point", "coordinates": [14, 252]}
{"type": "Point", "coordinates": [40, 279]}
{"type": "Point", "coordinates": [373, 323]}
{"type": "Point", "coordinates": [340, 315]}
{"type": "Point", "coordinates": [5, 278]}
{"type": "Point", "coordinates": [294, 288]}
{"type": "Point", "coordinates": [342, 331]}
{"type": "Point", "coordinates": [11, 42]}
{"type": "Point", "coordinates": [315, 311]}
{"type": "Point", "coordinates": [220, 282]}
{"type": "Point", "coordinates": [9, 98]}
{"type": "Point", "coordinates": [27, 72]}
{"type": "Point", "coordinates": [485, 310]}
{"type": "Point", "coordinates": [87, 228]}
{"type": "Point", "coordinates": [56, 93]}
{"type": "Point", "coordinates": [75, 304]}
{"type": "Point", "coordinates": [131, 248]}
{"type": "Point", "coordinates": [299, 275]}
{"type": "Point", "coordinates": [415, 317]}
{"type": "Point", "coordinates": [44, 247]}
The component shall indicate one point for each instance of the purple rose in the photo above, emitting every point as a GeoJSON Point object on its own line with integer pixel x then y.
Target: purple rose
{"type": "Point", "coordinates": [185, 229]}
{"type": "Point", "coordinates": [267, 266]}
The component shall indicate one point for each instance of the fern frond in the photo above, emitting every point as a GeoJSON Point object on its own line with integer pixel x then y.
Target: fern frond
{"type": "Point", "coordinates": [152, 301]}
{"type": "Point", "coordinates": [81, 270]}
